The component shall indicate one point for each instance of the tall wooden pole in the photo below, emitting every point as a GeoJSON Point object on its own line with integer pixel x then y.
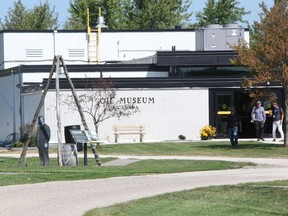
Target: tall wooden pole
{"type": "Point", "coordinates": [22, 159]}
{"type": "Point", "coordinates": [59, 136]}
{"type": "Point", "coordinates": [96, 155]}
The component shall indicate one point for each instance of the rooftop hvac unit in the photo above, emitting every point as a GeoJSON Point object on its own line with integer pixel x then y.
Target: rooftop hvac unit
{"type": "Point", "coordinates": [218, 37]}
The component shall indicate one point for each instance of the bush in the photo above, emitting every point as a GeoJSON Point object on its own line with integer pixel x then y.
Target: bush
{"type": "Point", "coordinates": [181, 137]}
{"type": "Point", "coordinates": [208, 132]}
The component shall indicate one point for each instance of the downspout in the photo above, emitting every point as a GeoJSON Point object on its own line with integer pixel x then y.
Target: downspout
{"type": "Point", "coordinates": [21, 109]}
{"type": "Point", "coordinates": [54, 42]}
{"type": "Point", "coordinates": [14, 104]}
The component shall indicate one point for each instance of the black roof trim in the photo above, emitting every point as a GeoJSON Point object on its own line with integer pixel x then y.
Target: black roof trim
{"type": "Point", "coordinates": [153, 82]}
{"type": "Point", "coordinates": [102, 30]}
{"type": "Point", "coordinates": [95, 68]}
{"type": "Point", "coordinates": [194, 58]}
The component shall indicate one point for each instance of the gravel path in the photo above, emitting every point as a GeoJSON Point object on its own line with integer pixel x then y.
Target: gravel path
{"type": "Point", "coordinates": [74, 198]}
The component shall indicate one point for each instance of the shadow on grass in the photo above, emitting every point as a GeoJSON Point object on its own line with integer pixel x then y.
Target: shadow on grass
{"type": "Point", "coordinates": [254, 146]}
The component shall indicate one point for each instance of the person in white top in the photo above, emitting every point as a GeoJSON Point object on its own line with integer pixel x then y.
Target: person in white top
{"type": "Point", "coordinates": [278, 117]}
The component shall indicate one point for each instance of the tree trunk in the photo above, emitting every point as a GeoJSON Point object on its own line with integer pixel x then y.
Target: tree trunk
{"type": "Point", "coordinates": [285, 94]}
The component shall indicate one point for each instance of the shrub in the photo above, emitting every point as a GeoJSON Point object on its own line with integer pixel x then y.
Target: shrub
{"type": "Point", "coordinates": [181, 137]}
{"type": "Point", "coordinates": [208, 132]}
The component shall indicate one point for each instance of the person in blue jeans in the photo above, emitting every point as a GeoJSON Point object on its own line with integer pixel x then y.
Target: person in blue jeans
{"type": "Point", "coordinates": [234, 126]}
{"type": "Point", "coordinates": [258, 117]}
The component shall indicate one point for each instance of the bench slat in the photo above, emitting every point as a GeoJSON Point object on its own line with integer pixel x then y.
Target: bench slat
{"type": "Point", "coordinates": [122, 129]}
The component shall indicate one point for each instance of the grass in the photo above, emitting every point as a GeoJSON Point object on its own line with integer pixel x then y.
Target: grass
{"type": "Point", "coordinates": [203, 148]}
{"type": "Point", "coordinates": [11, 174]}
{"type": "Point", "coordinates": [253, 199]}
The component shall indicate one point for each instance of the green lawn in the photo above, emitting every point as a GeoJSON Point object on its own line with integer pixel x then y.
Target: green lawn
{"type": "Point", "coordinates": [263, 199]}
{"type": "Point", "coordinates": [254, 199]}
{"type": "Point", "coordinates": [202, 148]}
{"type": "Point", "coordinates": [11, 174]}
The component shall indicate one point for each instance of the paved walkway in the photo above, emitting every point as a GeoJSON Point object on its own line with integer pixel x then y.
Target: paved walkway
{"type": "Point", "coordinates": [73, 198]}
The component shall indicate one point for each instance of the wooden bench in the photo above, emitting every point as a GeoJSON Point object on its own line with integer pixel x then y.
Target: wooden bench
{"type": "Point", "coordinates": [138, 129]}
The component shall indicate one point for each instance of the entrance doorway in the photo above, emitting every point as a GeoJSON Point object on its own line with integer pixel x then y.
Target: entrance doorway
{"type": "Point", "coordinates": [221, 101]}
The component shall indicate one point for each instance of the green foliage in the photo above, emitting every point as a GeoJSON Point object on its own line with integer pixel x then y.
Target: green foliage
{"type": "Point", "coordinates": [221, 12]}
{"type": "Point", "coordinates": [162, 14]}
{"type": "Point", "coordinates": [126, 14]}
{"type": "Point", "coordinates": [181, 137]}
{"type": "Point", "coordinates": [267, 53]}
{"type": "Point", "coordinates": [41, 17]}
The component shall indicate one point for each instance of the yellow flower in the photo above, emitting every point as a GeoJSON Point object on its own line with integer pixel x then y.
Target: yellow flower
{"type": "Point", "coordinates": [208, 131]}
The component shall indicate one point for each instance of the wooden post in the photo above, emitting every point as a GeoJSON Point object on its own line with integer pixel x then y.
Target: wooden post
{"type": "Point", "coordinates": [22, 159]}
{"type": "Point", "coordinates": [59, 136]}
{"type": "Point", "coordinates": [96, 155]}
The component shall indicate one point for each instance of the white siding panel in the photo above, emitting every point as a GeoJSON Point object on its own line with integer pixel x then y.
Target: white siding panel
{"type": "Point", "coordinates": [247, 36]}
{"type": "Point", "coordinates": [2, 50]}
{"type": "Point", "coordinates": [72, 46]}
{"type": "Point", "coordinates": [31, 102]}
{"type": "Point", "coordinates": [18, 44]}
{"type": "Point", "coordinates": [169, 113]}
{"type": "Point", "coordinates": [9, 105]}
{"type": "Point", "coordinates": [132, 45]}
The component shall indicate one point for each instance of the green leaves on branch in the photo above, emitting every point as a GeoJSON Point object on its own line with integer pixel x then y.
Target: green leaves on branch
{"type": "Point", "coordinates": [127, 14]}
{"type": "Point", "coordinates": [41, 17]}
{"type": "Point", "coordinates": [221, 12]}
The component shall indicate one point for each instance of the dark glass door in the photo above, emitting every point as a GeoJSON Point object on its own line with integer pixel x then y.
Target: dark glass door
{"type": "Point", "coordinates": [224, 100]}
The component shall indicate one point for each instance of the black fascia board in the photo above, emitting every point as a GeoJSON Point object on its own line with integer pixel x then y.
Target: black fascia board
{"type": "Point", "coordinates": [200, 82]}
{"type": "Point", "coordinates": [95, 68]}
{"type": "Point", "coordinates": [151, 82]}
{"type": "Point", "coordinates": [195, 58]}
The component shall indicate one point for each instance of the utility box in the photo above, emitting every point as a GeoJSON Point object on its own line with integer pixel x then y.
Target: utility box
{"type": "Point", "coordinates": [218, 37]}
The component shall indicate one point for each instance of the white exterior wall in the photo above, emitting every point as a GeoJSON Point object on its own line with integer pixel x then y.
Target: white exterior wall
{"type": "Point", "coordinates": [171, 112]}
{"type": "Point", "coordinates": [27, 48]}
{"type": "Point", "coordinates": [30, 104]}
{"type": "Point", "coordinates": [9, 105]}
{"type": "Point", "coordinates": [132, 45]}
{"type": "Point", "coordinates": [40, 47]}
{"type": "Point", "coordinates": [73, 46]}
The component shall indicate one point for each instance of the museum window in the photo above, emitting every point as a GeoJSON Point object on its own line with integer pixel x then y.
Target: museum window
{"type": "Point", "coordinates": [213, 71]}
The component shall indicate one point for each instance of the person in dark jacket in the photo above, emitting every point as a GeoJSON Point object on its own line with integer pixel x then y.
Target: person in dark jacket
{"type": "Point", "coordinates": [234, 126]}
{"type": "Point", "coordinates": [42, 141]}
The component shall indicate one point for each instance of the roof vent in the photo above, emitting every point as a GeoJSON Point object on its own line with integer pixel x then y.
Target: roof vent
{"type": "Point", "coordinates": [34, 53]}
{"type": "Point", "coordinates": [213, 26]}
{"type": "Point", "coordinates": [74, 53]}
{"type": "Point", "coordinates": [231, 26]}
{"type": "Point", "coordinates": [101, 22]}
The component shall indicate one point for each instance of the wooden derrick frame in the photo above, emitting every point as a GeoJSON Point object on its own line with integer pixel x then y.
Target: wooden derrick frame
{"type": "Point", "coordinates": [56, 62]}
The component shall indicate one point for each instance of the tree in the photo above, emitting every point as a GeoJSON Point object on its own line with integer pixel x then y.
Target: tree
{"type": "Point", "coordinates": [41, 17]}
{"type": "Point", "coordinates": [162, 14]}
{"type": "Point", "coordinates": [100, 104]}
{"type": "Point", "coordinates": [221, 12]}
{"type": "Point", "coordinates": [267, 55]}
{"type": "Point", "coordinates": [127, 14]}
{"type": "Point", "coordinates": [78, 13]}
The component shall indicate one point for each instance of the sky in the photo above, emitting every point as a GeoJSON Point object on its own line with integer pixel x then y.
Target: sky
{"type": "Point", "coordinates": [61, 7]}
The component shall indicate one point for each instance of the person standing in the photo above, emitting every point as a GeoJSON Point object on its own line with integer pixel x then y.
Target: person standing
{"type": "Point", "coordinates": [233, 123]}
{"type": "Point", "coordinates": [278, 117]}
{"type": "Point", "coordinates": [42, 141]}
{"type": "Point", "coordinates": [258, 117]}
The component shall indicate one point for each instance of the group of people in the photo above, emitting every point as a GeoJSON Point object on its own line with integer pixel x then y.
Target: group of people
{"type": "Point", "coordinates": [258, 117]}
